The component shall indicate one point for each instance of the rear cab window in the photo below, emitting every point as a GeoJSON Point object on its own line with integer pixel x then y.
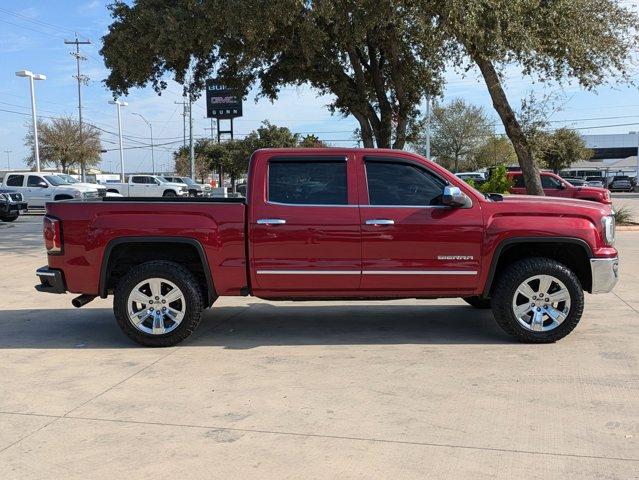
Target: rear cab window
{"type": "Point", "coordinates": [302, 181]}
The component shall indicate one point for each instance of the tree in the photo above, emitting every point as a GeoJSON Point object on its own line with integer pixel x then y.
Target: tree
{"type": "Point", "coordinates": [556, 40]}
{"type": "Point", "coordinates": [495, 150]}
{"type": "Point", "coordinates": [312, 141]}
{"type": "Point", "coordinates": [561, 148]}
{"type": "Point", "coordinates": [202, 160]}
{"type": "Point", "coordinates": [458, 130]}
{"type": "Point", "coordinates": [377, 59]}
{"type": "Point", "coordinates": [62, 145]}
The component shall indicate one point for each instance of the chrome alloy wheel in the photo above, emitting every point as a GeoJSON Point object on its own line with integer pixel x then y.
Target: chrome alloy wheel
{"type": "Point", "coordinates": [541, 303]}
{"type": "Point", "coordinates": [156, 306]}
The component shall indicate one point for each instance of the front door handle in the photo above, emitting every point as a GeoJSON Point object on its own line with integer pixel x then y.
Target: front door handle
{"type": "Point", "coordinates": [271, 221]}
{"type": "Point", "coordinates": [380, 221]}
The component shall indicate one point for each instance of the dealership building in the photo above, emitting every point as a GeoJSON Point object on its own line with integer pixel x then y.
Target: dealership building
{"type": "Point", "coordinates": [613, 154]}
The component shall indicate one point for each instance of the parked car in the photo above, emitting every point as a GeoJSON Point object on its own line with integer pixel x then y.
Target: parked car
{"type": "Point", "coordinates": [620, 183]}
{"type": "Point", "coordinates": [595, 182]}
{"type": "Point", "coordinates": [11, 205]}
{"type": "Point", "coordinates": [576, 182]}
{"type": "Point", "coordinates": [477, 177]}
{"type": "Point", "coordinates": [555, 186]}
{"type": "Point", "coordinates": [195, 189]}
{"type": "Point", "coordinates": [332, 223]}
{"type": "Point", "coordinates": [40, 188]}
{"type": "Point", "coordinates": [102, 191]}
{"type": "Point", "coordinates": [148, 186]}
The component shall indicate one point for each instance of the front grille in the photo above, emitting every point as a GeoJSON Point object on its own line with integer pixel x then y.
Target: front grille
{"type": "Point", "coordinates": [16, 197]}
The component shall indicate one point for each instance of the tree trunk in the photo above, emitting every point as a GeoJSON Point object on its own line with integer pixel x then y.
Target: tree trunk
{"type": "Point", "coordinates": [513, 129]}
{"type": "Point", "coordinates": [365, 130]}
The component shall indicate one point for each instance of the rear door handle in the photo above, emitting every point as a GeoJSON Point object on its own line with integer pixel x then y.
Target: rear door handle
{"type": "Point", "coordinates": [380, 221]}
{"type": "Point", "coordinates": [271, 221]}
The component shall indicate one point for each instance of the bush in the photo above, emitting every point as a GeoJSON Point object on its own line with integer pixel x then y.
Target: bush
{"type": "Point", "coordinates": [623, 216]}
{"type": "Point", "coordinates": [498, 181]}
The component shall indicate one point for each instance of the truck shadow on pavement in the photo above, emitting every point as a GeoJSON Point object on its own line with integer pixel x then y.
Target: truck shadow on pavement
{"type": "Point", "coordinates": [261, 324]}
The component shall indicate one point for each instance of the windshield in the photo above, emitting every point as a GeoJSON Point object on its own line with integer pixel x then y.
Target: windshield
{"type": "Point", "coordinates": [188, 181]}
{"type": "Point", "coordinates": [67, 178]}
{"type": "Point", "coordinates": [55, 180]}
{"type": "Point", "coordinates": [173, 179]}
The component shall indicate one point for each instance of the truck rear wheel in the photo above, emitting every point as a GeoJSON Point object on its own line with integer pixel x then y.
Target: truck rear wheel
{"type": "Point", "coordinates": [538, 300]}
{"type": "Point", "coordinates": [169, 193]}
{"type": "Point", "coordinates": [8, 218]}
{"type": "Point", "coordinates": [158, 304]}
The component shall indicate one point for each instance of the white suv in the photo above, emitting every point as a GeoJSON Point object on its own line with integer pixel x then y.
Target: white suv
{"type": "Point", "coordinates": [39, 188]}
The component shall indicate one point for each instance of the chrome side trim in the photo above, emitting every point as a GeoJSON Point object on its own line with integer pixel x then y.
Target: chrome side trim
{"type": "Point", "coordinates": [367, 272]}
{"type": "Point", "coordinates": [309, 272]}
{"type": "Point", "coordinates": [419, 272]}
{"type": "Point", "coordinates": [605, 273]}
{"type": "Point", "coordinates": [269, 202]}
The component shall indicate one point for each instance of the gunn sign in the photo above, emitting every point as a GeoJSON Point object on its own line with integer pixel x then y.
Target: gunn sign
{"type": "Point", "coordinates": [221, 102]}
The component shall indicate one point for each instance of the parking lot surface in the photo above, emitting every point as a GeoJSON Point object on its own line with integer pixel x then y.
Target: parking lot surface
{"type": "Point", "coordinates": [400, 389]}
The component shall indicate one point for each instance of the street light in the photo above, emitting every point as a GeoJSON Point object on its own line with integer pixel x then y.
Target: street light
{"type": "Point", "coordinates": [150, 128]}
{"type": "Point", "coordinates": [119, 104]}
{"type": "Point", "coordinates": [33, 76]}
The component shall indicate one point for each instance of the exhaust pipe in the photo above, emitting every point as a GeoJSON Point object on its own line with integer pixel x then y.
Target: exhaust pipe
{"type": "Point", "coordinates": [82, 300]}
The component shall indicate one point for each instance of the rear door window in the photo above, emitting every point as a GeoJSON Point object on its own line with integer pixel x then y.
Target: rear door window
{"type": "Point", "coordinates": [307, 182]}
{"type": "Point", "coordinates": [15, 180]}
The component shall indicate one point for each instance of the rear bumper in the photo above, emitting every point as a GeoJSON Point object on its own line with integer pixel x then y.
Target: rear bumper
{"type": "Point", "coordinates": [51, 280]}
{"type": "Point", "coordinates": [605, 273]}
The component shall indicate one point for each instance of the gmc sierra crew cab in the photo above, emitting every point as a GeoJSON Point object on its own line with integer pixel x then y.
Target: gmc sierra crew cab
{"type": "Point", "coordinates": [334, 224]}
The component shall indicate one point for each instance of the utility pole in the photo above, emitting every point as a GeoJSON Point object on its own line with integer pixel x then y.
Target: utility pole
{"type": "Point", "coordinates": [118, 104]}
{"type": "Point", "coordinates": [81, 79]}
{"type": "Point", "coordinates": [8, 162]}
{"type": "Point", "coordinates": [428, 127]}
{"type": "Point", "coordinates": [191, 146]}
{"type": "Point", "coordinates": [184, 109]}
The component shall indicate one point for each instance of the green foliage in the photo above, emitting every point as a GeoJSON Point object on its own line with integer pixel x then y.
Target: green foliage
{"type": "Point", "coordinates": [498, 181]}
{"type": "Point", "coordinates": [623, 216]}
{"type": "Point", "coordinates": [458, 130]}
{"type": "Point", "coordinates": [494, 151]}
{"type": "Point", "coordinates": [559, 149]}
{"type": "Point", "coordinates": [63, 145]}
{"type": "Point", "coordinates": [376, 59]}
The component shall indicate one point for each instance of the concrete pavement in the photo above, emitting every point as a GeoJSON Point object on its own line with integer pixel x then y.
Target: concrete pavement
{"type": "Point", "coordinates": [405, 389]}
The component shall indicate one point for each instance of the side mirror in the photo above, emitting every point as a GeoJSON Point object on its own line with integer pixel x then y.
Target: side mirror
{"type": "Point", "coordinates": [561, 186]}
{"type": "Point", "coordinates": [43, 184]}
{"type": "Point", "coordinates": [454, 197]}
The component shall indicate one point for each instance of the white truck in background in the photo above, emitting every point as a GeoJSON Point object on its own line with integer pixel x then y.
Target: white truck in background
{"type": "Point", "coordinates": [40, 188]}
{"type": "Point", "coordinates": [147, 186]}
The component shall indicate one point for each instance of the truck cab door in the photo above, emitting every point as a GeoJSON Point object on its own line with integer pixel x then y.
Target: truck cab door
{"type": "Point", "coordinates": [304, 232]}
{"type": "Point", "coordinates": [411, 242]}
{"type": "Point", "coordinates": [138, 186]}
{"type": "Point", "coordinates": [39, 191]}
{"type": "Point", "coordinates": [553, 187]}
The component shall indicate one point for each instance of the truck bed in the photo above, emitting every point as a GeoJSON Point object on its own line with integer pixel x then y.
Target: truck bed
{"type": "Point", "coordinates": [175, 199]}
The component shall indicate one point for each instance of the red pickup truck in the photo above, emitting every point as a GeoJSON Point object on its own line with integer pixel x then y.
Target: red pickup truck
{"type": "Point", "coordinates": [333, 224]}
{"type": "Point", "coordinates": [555, 186]}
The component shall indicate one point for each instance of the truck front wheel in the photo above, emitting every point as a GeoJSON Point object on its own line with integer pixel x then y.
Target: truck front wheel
{"type": "Point", "coordinates": [538, 300]}
{"type": "Point", "coordinates": [169, 193]}
{"type": "Point", "coordinates": [158, 304]}
{"type": "Point", "coordinates": [8, 218]}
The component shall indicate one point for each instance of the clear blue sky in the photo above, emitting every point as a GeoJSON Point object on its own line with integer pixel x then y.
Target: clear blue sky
{"type": "Point", "coordinates": [32, 37]}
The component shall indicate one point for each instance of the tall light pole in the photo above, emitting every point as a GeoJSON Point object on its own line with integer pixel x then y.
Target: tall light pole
{"type": "Point", "coordinates": [33, 76]}
{"type": "Point", "coordinates": [8, 162]}
{"type": "Point", "coordinates": [118, 105]}
{"type": "Point", "coordinates": [150, 128]}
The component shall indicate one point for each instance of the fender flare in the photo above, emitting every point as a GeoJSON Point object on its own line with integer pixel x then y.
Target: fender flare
{"type": "Point", "coordinates": [102, 288]}
{"type": "Point", "coordinates": [504, 244]}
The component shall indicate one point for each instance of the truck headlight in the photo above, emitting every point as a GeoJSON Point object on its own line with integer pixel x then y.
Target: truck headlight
{"type": "Point", "coordinates": [608, 224]}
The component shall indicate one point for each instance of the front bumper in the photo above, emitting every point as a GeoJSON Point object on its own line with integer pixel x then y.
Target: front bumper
{"type": "Point", "coordinates": [605, 273]}
{"type": "Point", "coordinates": [51, 280]}
{"type": "Point", "coordinates": [14, 208]}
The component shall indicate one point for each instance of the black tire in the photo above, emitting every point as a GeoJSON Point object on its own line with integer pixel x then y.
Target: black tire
{"type": "Point", "coordinates": [169, 193]}
{"type": "Point", "coordinates": [477, 302]}
{"type": "Point", "coordinates": [510, 280]}
{"type": "Point", "coordinates": [7, 218]}
{"type": "Point", "coordinates": [174, 273]}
